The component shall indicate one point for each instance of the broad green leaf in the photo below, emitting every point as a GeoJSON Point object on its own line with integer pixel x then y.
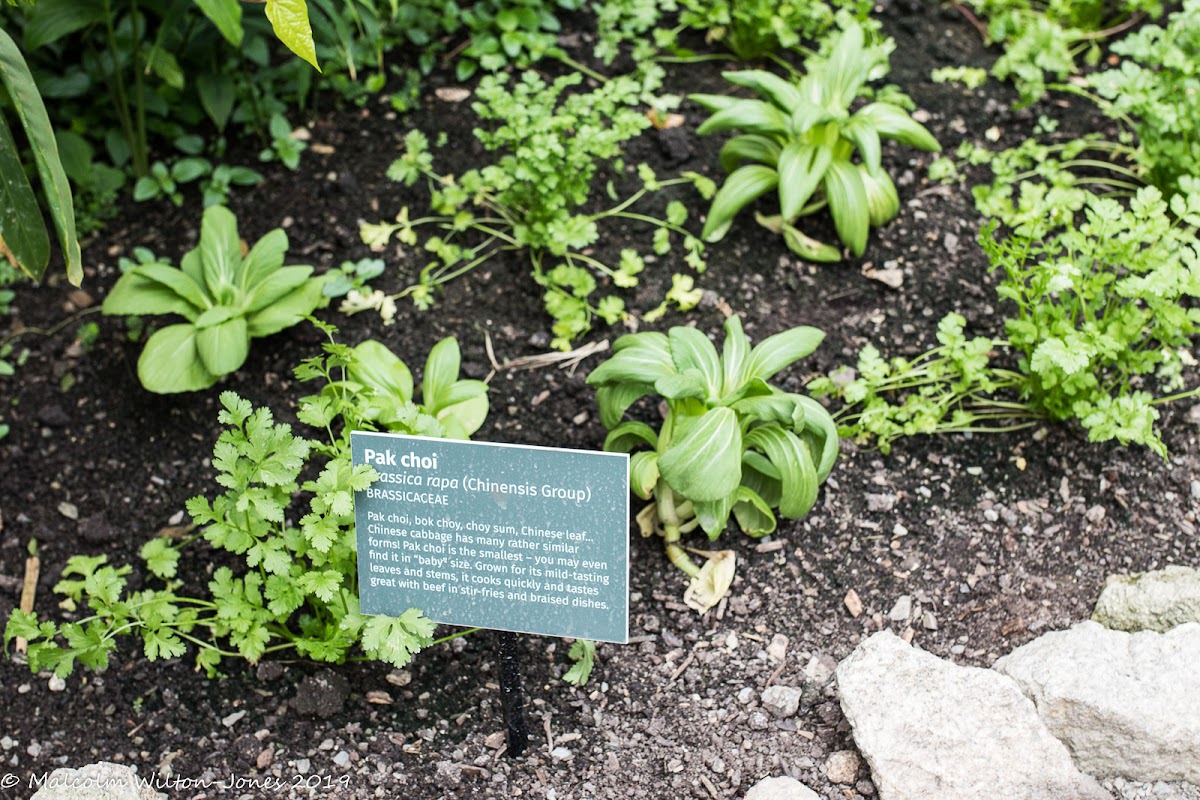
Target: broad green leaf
{"type": "Point", "coordinates": [281, 282]}
{"type": "Point", "coordinates": [792, 458]}
{"type": "Point", "coordinates": [136, 294]}
{"type": "Point", "coordinates": [807, 115]}
{"type": "Point", "coordinates": [779, 91]}
{"type": "Point", "coordinates": [24, 240]}
{"type": "Point", "coordinates": [289, 19]}
{"type": "Point", "coordinates": [217, 93]}
{"type": "Point", "coordinates": [894, 122]}
{"type": "Point", "coordinates": [714, 102]}
{"type": "Point", "coordinates": [22, 91]}
{"type": "Point", "coordinates": [751, 116]}
{"type": "Point", "coordinates": [223, 347]}
{"type": "Point", "coordinates": [169, 363]}
{"type": "Point", "coordinates": [163, 64]}
{"type": "Point", "coordinates": [227, 16]}
{"type": "Point", "coordinates": [681, 387]}
{"type": "Point", "coordinates": [750, 147]}
{"type": "Point", "coordinates": [704, 460]}
{"type": "Point", "coordinates": [848, 204]}
{"type": "Point", "coordinates": [264, 258]}
{"type": "Point", "coordinates": [466, 416]}
{"type": "Point", "coordinates": [692, 350]}
{"type": "Point", "coordinates": [630, 435]}
{"type": "Point", "coordinates": [820, 424]}
{"type": "Point", "coordinates": [175, 280]}
{"type": "Point", "coordinates": [378, 367]}
{"type": "Point", "coordinates": [742, 187]}
{"type": "Point", "coordinates": [883, 204]}
{"type": "Point", "coordinates": [614, 399]}
{"type": "Point", "coordinates": [643, 473]}
{"type": "Point", "coordinates": [779, 407]}
{"type": "Point", "coordinates": [809, 248]}
{"type": "Point", "coordinates": [801, 169]}
{"type": "Point", "coordinates": [50, 20]}
{"type": "Point", "coordinates": [846, 69]}
{"type": "Point", "coordinates": [714, 515]}
{"type": "Point", "coordinates": [220, 253]}
{"type": "Point", "coordinates": [645, 362]}
{"type": "Point", "coordinates": [753, 514]}
{"type": "Point", "coordinates": [216, 316]}
{"type": "Point", "coordinates": [760, 476]}
{"type": "Point", "coordinates": [288, 310]}
{"type": "Point", "coordinates": [441, 371]}
{"type": "Point", "coordinates": [733, 355]}
{"type": "Point", "coordinates": [776, 352]}
{"type": "Point", "coordinates": [866, 139]}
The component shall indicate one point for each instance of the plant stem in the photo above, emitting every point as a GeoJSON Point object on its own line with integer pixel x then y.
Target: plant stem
{"type": "Point", "coordinates": [669, 518]}
{"type": "Point", "coordinates": [445, 639]}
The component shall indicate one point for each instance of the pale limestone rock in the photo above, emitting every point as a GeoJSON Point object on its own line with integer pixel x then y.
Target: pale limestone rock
{"type": "Point", "coordinates": [781, 788]}
{"type": "Point", "coordinates": [1150, 601]}
{"type": "Point", "coordinates": [1126, 704]}
{"type": "Point", "coordinates": [931, 730]}
{"type": "Point", "coordinates": [100, 781]}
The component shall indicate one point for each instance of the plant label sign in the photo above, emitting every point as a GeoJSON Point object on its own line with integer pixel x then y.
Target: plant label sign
{"type": "Point", "coordinates": [508, 537]}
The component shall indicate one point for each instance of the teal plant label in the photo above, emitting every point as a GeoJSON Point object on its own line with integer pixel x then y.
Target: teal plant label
{"type": "Point", "coordinates": [501, 536]}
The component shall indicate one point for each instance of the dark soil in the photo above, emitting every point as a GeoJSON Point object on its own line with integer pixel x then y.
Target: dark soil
{"type": "Point", "coordinates": [991, 539]}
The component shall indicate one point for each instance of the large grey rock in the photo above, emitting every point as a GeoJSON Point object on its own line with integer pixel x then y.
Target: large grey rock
{"type": "Point", "coordinates": [1150, 601]}
{"type": "Point", "coordinates": [101, 781]}
{"type": "Point", "coordinates": [781, 788]}
{"type": "Point", "coordinates": [1126, 704]}
{"type": "Point", "coordinates": [931, 730]}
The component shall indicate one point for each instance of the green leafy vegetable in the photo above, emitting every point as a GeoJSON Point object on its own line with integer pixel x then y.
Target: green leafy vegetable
{"type": "Point", "coordinates": [226, 298]}
{"type": "Point", "coordinates": [800, 139]}
{"type": "Point", "coordinates": [730, 443]}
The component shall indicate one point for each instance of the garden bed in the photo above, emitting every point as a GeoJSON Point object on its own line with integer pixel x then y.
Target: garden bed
{"type": "Point", "coordinates": [969, 546]}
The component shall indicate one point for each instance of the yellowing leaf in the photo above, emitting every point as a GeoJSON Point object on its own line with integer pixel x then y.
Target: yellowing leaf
{"type": "Point", "coordinates": [289, 20]}
{"type": "Point", "coordinates": [713, 582]}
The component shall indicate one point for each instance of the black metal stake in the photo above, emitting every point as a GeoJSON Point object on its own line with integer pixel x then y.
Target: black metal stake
{"type": "Point", "coordinates": [511, 694]}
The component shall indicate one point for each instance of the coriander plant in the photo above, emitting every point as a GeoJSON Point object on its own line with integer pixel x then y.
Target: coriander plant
{"type": "Point", "coordinates": [752, 29]}
{"type": "Point", "coordinates": [1104, 324]}
{"type": "Point", "coordinates": [550, 151]}
{"type": "Point", "coordinates": [1047, 37]}
{"type": "Point", "coordinates": [294, 587]}
{"type": "Point", "coordinates": [800, 139]}
{"type": "Point", "coordinates": [226, 297]}
{"type": "Point", "coordinates": [1155, 89]}
{"type": "Point", "coordinates": [730, 443]}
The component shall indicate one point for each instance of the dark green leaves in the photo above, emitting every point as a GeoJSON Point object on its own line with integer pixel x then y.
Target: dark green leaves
{"type": "Point", "coordinates": [23, 238]}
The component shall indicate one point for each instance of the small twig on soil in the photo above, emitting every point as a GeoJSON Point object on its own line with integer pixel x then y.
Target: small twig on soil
{"type": "Point", "coordinates": [33, 567]}
{"type": "Point", "coordinates": [974, 20]}
{"type": "Point", "coordinates": [568, 361]}
{"type": "Point", "coordinates": [1115, 29]}
{"type": "Point", "coordinates": [775, 675]}
{"type": "Point", "coordinates": [687, 662]}
{"type": "Point", "coordinates": [17, 334]}
{"type": "Point", "coordinates": [712, 790]}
